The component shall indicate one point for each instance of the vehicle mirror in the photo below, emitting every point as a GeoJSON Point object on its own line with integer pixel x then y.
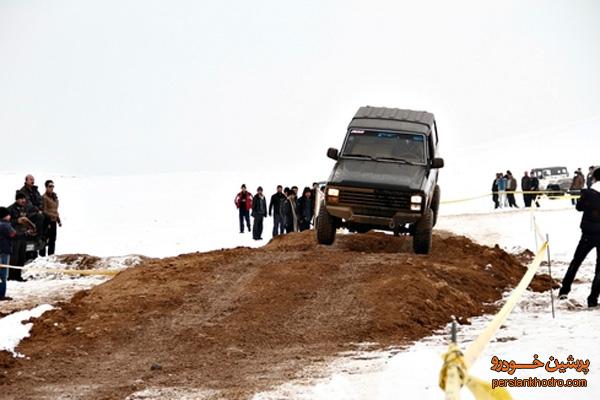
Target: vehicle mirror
{"type": "Point", "coordinates": [332, 153]}
{"type": "Point", "coordinates": [437, 163]}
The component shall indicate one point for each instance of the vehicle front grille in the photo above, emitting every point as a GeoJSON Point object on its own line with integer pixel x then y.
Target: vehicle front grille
{"type": "Point", "coordinates": [381, 203]}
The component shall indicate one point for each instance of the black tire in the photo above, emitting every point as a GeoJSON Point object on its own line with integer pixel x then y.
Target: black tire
{"type": "Point", "coordinates": [435, 203]}
{"type": "Point", "coordinates": [422, 233]}
{"type": "Point", "coordinates": [325, 227]}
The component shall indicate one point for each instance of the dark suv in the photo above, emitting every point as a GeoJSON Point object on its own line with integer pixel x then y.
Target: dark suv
{"type": "Point", "coordinates": [385, 177]}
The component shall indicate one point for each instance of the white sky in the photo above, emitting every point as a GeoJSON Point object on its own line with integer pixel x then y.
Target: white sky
{"type": "Point", "coordinates": [125, 87]}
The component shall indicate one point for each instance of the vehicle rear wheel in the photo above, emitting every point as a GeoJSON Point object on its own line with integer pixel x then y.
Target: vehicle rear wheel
{"type": "Point", "coordinates": [422, 233]}
{"type": "Point", "coordinates": [326, 227]}
{"type": "Point", "coordinates": [435, 203]}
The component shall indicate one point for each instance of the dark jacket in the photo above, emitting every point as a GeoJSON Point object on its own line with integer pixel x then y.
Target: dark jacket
{"type": "Point", "coordinates": [305, 208]}
{"type": "Point", "coordinates": [588, 181]}
{"type": "Point", "coordinates": [511, 183]}
{"type": "Point", "coordinates": [578, 182]}
{"type": "Point", "coordinates": [34, 198]}
{"type": "Point", "coordinates": [495, 186]}
{"type": "Point", "coordinates": [259, 206]}
{"type": "Point", "coordinates": [290, 214]}
{"type": "Point", "coordinates": [589, 203]}
{"type": "Point", "coordinates": [275, 204]}
{"type": "Point", "coordinates": [7, 234]}
{"type": "Point", "coordinates": [526, 183]}
{"type": "Point", "coordinates": [534, 184]}
{"type": "Point", "coordinates": [16, 211]}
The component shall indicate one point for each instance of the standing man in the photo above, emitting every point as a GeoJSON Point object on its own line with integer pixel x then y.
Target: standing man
{"type": "Point", "coordinates": [534, 183]}
{"type": "Point", "coordinates": [511, 187]}
{"type": "Point", "coordinates": [290, 213]}
{"type": "Point", "coordinates": [589, 177]}
{"type": "Point", "coordinates": [51, 213]}
{"type": "Point", "coordinates": [275, 206]}
{"type": "Point", "coordinates": [577, 184]}
{"type": "Point", "coordinates": [7, 234]}
{"type": "Point", "coordinates": [495, 194]}
{"type": "Point", "coordinates": [526, 187]}
{"type": "Point", "coordinates": [501, 189]}
{"type": "Point", "coordinates": [589, 203]}
{"type": "Point", "coordinates": [243, 201]}
{"type": "Point", "coordinates": [305, 209]}
{"type": "Point", "coordinates": [20, 214]}
{"type": "Point", "coordinates": [259, 212]}
{"type": "Point", "coordinates": [34, 201]}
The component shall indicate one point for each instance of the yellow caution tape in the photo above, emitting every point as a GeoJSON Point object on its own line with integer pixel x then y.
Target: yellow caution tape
{"type": "Point", "coordinates": [455, 371]}
{"type": "Point", "coordinates": [548, 194]}
{"type": "Point", "coordinates": [482, 390]}
{"type": "Point", "coordinates": [103, 272]}
{"type": "Point", "coordinates": [477, 347]}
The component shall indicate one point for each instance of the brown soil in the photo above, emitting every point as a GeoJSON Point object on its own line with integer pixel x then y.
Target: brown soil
{"type": "Point", "coordinates": [242, 320]}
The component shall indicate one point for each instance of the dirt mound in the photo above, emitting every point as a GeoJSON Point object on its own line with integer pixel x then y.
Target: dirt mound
{"type": "Point", "coordinates": [233, 322]}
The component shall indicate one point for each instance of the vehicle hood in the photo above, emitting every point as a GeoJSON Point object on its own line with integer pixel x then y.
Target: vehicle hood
{"type": "Point", "coordinates": [374, 174]}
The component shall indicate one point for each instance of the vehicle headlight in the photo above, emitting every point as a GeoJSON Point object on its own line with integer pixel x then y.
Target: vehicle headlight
{"type": "Point", "coordinates": [333, 192]}
{"type": "Point", "coordinates": [416, 199]}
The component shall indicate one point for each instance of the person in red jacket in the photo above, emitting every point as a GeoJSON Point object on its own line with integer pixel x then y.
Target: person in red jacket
{"type": "Point", "coordinates": [243, 201]}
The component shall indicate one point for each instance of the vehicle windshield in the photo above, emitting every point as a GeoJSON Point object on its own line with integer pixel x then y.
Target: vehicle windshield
{"type": "Point", "coordinates": [386, 146]}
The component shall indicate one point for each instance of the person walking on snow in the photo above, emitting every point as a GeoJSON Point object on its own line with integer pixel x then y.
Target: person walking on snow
{"type": "Point", "coordinates": [243, 201]}
{"type": "Point", "coordinates": [275, 206]}
{"type": "Point", "coordinates": [511, 187]}
{"type": "Point", "coordinates": [589, 204]}
{"type": "Point", "coordinates": [259, 212]}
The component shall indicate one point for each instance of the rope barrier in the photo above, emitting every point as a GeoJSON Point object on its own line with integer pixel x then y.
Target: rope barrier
{"type": "Point", "coordinates": [100, 272]}
{"type": "Point", "coordinates": [454, 374]}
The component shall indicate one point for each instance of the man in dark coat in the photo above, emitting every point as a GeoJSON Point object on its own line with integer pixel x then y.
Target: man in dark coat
{"type": "Point", "coordinates": [495, 194]}
{"type": "Point", "coordinates": [259, 212]}
{"type": "Point", "coordinates": [534, 184]}
{"type": "Point", "coordinates": [305, 209]}
{"type": "Point", "coordinates": [20, 218]}
{"type": "Point", "coordinates": [34, 200]}
{"type": "Point", "coordinates": [290, 213]}
{"type": "Point", "coordinates": [526, 187]}
{"type": "Point", "coordinates": [275, 210]}
{"type": "Point", "coordinates": [511, 187]}
{"type": "Point", "coordinates": [589, 204]}
{"type": "Point", "coordinates": [589, 182]}
{"type": "Point", "coordinates": [243, 201]}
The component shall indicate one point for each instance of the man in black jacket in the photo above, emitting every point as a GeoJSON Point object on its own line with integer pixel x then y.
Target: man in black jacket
{"type": "Point", "coordinates": [275, 206]}
{"type": "Point", "coordinates": [259, 212]}
{"type": "Point", "coordinates": [20, 218]}
{"type": "Point", "coordinates": [589, 203]}
{"type": "Point", "coordinates": [526, 186]}
{"type": "Point", "coordinates": [32, 194]}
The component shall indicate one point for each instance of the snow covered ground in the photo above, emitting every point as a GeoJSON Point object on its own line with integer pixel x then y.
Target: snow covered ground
{"type": "Point", "coordinates": [164, 215]}
{"type": "Point", "coordinates": [530, 329]}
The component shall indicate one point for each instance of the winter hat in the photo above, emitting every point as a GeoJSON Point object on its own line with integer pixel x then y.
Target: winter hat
{"type": "Point", "coordinates": [3, 212]}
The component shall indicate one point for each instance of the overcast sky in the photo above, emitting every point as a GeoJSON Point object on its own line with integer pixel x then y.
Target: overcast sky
{"type": "Point", "coordinates": [126, 87]}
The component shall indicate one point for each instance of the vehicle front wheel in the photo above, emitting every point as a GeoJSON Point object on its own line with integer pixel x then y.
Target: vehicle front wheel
{"type": "Point", "coordinates": [326, 227]}
{"type": "Point", "coordinates": [422, 233]}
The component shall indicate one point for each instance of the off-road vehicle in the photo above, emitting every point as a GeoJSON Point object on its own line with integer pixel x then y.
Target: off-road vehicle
{"type": "Point", "coordinates": [554, 180]}
{"type": "Point", "coordinates": [385, 177]}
